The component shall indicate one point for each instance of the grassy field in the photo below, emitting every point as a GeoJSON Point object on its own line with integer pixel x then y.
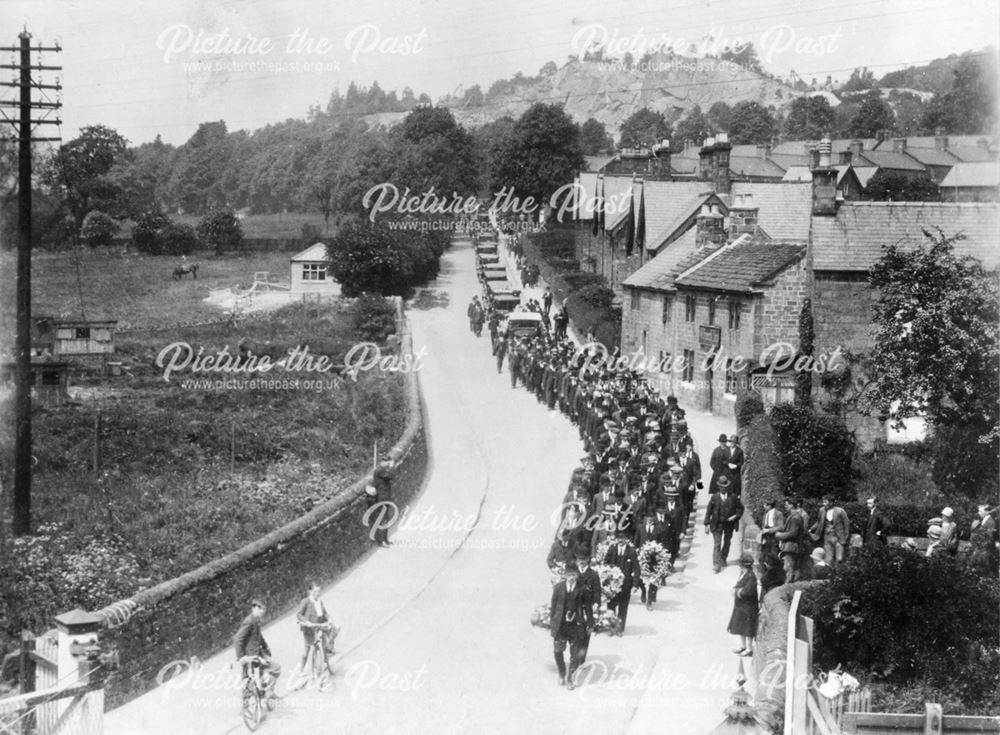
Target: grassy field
{"type": "Point", "coordinates": [136, 289]}
{"type": "Point", "coordinates": [187, 473]}
{"type": "Point", "coordinates": [287, 224]}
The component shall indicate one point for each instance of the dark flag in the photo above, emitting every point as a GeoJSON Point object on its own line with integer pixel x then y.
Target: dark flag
{"type": "Point", "coordinates": [597, 206]}
{"type": "Point", "coordinates": [640, 227]}
{"type": "Point", "coordinates": [630, 224]}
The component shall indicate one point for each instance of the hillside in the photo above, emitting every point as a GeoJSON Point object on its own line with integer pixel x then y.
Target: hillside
{"type": "Point", "coordinates": [609, 92]}
{"type": "Point", "coordinates": [937, 76]}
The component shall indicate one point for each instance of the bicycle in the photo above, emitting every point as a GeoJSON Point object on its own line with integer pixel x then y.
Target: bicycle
{"type": "Point", "coordinates": [256, 699]}
{"type": "Point", "coordinates": [316, 662]}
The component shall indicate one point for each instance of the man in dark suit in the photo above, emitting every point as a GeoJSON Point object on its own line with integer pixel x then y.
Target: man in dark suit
{"type": "Point", "coordinates": [561, 551]}
{"type": "Point", "coordinates": [571, 617]}
{"type": "Point", "coordinates": [876, 531]}
{"type": "Point", "coordinates": [735, 465]}
{"type": "Point", "coordinates": [591, 581]}
{"type": "Point", "coordinates": [690, 479]}
{"type": "Point", "coordinates": [652, 528]}
{"type": "Point", "coordinates": [382, 480]}
{"type": "Point", "coordinates": [249, 641]}
{"type": "Point", "coordinates": [793, 539]}
{"type": "Point", "coordinates": [721, 518]}
{"type": "Point", "coordinates": [675, 518]}
{"type": "Point", "coordinates": [622, 554]}
{"type": "Point", "coordinates": [719, 464]}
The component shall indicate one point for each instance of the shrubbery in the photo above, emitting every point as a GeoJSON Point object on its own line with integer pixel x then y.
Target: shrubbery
{"type": "Point", "coordinates": [749, 405]}
{"type": "Point", "coordinates": [816, 451]}
{"type": "Point", "coordinates": [597, 295]}
{"type": "Point", "coordinates": [894, 616]}
{"type": "Point", "coordinates": [178, 239]}
{"type": "Point", "coordinates": [98, 229]}
{"type": "Point", "coordinates": [763, 479]}
{"type": "Point", "coordinates": [373, 317]}
{"type": "Point", "coordinates": [220, 229]}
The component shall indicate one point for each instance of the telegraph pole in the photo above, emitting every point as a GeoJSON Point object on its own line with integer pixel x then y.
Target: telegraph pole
{"type": "Point", "coordinates": [22, 372]}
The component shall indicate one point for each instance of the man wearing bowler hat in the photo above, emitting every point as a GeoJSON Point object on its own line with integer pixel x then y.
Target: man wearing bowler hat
{"type": "Point", "coordinates": [735, 465]}
{"type": "Point", "coordinates": [719, 463]}
{"type": "Point", "coordinates": [721, 518]}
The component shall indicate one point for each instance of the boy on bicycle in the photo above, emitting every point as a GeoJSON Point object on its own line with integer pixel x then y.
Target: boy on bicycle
{"type": "Point", "coordinates": [313, 619]}
{"type": "Point", "coordinates": [249, 642]}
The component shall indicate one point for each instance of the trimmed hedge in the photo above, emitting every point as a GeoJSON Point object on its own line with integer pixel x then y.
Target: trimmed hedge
{"type": "Point", "coordinates": [816, 451]}
{"type": "Point", "coordinates": [748, 406]}
{"type": "Point", "coordinates": [763, 479]}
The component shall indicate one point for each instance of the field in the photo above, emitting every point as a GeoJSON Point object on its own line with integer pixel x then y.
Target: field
{"type": "Point", "coordinates": [288, 224]}
{"type": "Point", "coordinates": [177, 474]}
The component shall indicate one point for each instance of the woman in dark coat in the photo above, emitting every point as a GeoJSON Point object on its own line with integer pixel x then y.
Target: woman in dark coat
{"type": "Point", "coordinates": [744, 620]}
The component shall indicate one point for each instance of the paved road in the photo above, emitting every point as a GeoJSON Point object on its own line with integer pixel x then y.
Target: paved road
{"type": "Point", "coordinates": [436, 635]}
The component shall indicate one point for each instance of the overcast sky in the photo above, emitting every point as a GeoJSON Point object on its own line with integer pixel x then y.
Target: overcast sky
{"type": "Point", "coordinates": [148, 68]}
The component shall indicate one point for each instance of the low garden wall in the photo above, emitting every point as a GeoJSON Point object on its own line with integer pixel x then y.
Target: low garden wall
{"type": "Point", "coordinates": [197, 613]}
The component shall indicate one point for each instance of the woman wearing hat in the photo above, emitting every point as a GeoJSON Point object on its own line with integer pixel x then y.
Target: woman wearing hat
{"type": "Point", "coordinates": [744, 618]}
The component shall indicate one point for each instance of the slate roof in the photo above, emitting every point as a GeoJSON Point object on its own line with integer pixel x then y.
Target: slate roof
{"type": "Point", "coordinates": [597, 163]}
{"type": "Point", "coordinates": [665, 202]}
{"type": "Point", "coordinates": [683, 166]}
{"type": "Point", "coordinates": [585, 204]}
{"type": "Point", "coordinates": [972, 153]}
{"type": "Point", "coordinates": [933, 156]}
{"type": "Point", "coordinates": [802, 147]}
{"type": "Point", "coordinates": [927, 141]}
{"type": "Point", "coordinates": [804, 173]}
{"type": "Point", "coordinates": [852, 240]}
{"type": "Point", "coordinates": [787, 160]}
{"type": "Point", "coordinates": [658, 274]}
{"type": "Point", "coordinates": [755, 166]}
{"type": "Point", "coordinates": [617, 193]}
{"type": "Point", "coordinates": [784, 208]}
{"type": "Point", "coordinates": [742, 265]}
{"type": "Point", "coordinates": [313, 253]}
{"type": "Point", "coordinates": [973, 174]}
{"type": "Point", "coordinates": [893, 160]}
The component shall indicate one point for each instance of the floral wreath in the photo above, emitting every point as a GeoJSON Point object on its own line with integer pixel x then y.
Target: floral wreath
{"type": "Point", "coordinates": [654, 562]}
{"type": "Point", "coordinates": [558, 573]}
{"type": "Point", "coordinates": [612, 581]}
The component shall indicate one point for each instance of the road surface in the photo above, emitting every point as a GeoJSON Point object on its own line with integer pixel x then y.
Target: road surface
{"type": "Point", "coordinates": [435, 631]}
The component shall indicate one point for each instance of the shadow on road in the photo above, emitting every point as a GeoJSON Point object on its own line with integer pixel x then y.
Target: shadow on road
{"type": "Point", "coordinates": [426, 299]}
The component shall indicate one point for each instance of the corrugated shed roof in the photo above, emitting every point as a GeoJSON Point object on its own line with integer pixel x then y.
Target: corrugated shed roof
{"type": "Point", "coordinates": [784, 208]}
{"type": "Point", "coordinates": [316, 251]}
{"type": "Point", "coordinates": [658, 274]}
{"type": "Point", "coordinates": [973, 174]}
{"type": "Point", "coordinates": [742, 265]}
{"type": "Point", "coordinates": [665, 202]}
{"type": "Point", "coordinates": [853, 239]}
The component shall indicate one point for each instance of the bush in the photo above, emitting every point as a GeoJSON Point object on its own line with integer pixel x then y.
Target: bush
{"type": "Point", "coordinates": [146, 233]}
{"type": "Point", "coordinates": [903, 618]}
{"type": "Point", "coordinates": [749, 405]}
{"type": "Point", "coordinates": [894, 478]}
{"type": "Point", "coordinates": [816, 451]}
{"type": "Point", "coordinates": [373, 317]}
{"type": "Point", "coordinates": [221, 230]}
{"type": "Point", "coordinates": [178, 239]}
{"type": "Point", "coordinates": [763, 479]}
{"type": "Point", "coordinates": [98, 229]}
{"type": "Point", "coordinates": [963, 464]}
{"type": "Point", "coordinates": [597, 295]}
{"type": "Point", "coordinates": [310, 234]}
{"type": "Point", "coordinates": [577, 280]}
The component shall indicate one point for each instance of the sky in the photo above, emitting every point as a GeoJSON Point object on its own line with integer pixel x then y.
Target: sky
{"type": "Point", "coordinates": [160, 68]}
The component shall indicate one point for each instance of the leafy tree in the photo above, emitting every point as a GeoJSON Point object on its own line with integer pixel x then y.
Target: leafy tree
{"type": "Point", "coordinates": [548, 69]}
{"type": "Point", "coordinates": [178, 239]}
{"type": "Point", "coordinates": [744, 56]}
{"type": "Point", "coordinates": [936, 326]}
{"type": "Point", "coordinates": [365, 257]}
{"type": "Point", "coordinates": [969, 107]}
{"type": "Point", "coordinates": [751, 123]}
{"type": "Point", "coordinates": [644, 128]}
{"type": "Point", "coordinates": [861, 80]}
{"type": "Point", "coordinates": [874, 114]}
{"type": "Point", "coordinates": [594, 138]}
{"type": "Point", "coordinates": [81, 171]}
{"type": "Point", "coordinates": [221, 230]}
{"type": "Point", "coordinates": [693, 126]}
{"type": "Point", "coordinates": [890, 186]}
{"type": "Point", "coordinates": [816, 451]}
{"type": "Point", "coordinates": [197, 181]}
{"type": "Point", "coordinates": [809, 118]}
{"type": "Point", "coordinates": [541, 154]}
{"type": "Point", "coordinates": [146, 232]}
{"type": "Point", "coordinates": [98, 229]}
{"type": "Point", "coordinates": [910, 110]}
{"type": "Point", "coordinates": [434, 152]}
{"type": "Point", "coordinates": [720, 114]}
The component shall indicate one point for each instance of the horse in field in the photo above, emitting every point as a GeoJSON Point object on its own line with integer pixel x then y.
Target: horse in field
{"type": "Point", "coordinates": [181, 270]}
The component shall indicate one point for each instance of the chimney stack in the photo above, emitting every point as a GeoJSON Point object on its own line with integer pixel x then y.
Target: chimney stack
{"type": "Point", "coordinates": [709, 229]}
{"type": "Point", "coordinates": [899, 145]}
{"type": "Point", "coordinates": [660, 161]}
{"type": "Point", "coordinates": [940, 139]}
{"type": "Point", "coordinates": [706, 159]}
{"type": "Point", "coordinates": [720, 168]}
{"type": "Point", "coordinates": [824, 182]}
{"type": "Point", "coordinates": [742, 217]}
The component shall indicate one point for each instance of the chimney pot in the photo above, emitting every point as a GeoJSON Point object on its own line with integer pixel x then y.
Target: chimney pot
{"type": "Point", "coordinates": [722, 138]}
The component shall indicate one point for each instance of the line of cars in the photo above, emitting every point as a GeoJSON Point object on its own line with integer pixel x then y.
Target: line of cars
{"type": "Point", "coordinates": [500, 294]}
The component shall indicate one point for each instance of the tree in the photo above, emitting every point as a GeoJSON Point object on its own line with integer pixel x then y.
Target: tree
{"type": "Point", "coordinates": [969, 107]}
{"type": "Point", "coordinates": [197, 180]}
{"type": "Point", "coordinates": [594, 138]}
{"type": "Point", "coordinates": [434, 152]}
{"type": "Point", "coordinates": [720, 115]}
{"type": "Point", "coordinates": [861, 80]}
{"type": "Point", "coordinates": [98, 229]}
{"type": "Point", "coordinates": [81, 171]}
{"type": "Point", "coordinates": [889, 186]}
{"type": "Point", "coordinates": [221, 230]}
{"type": "Point", "coordinates": [365, 258]}
{"type": "Point", "coordinates": [178, 239]}
{"type": "Point", "coordinates": [694, 126]}
{"type": "Point", "coordinates": [146, 232]}
{"type": "Point", "coordinates": [910, 110]}
{"type": "Point", "coordinates": [809, 118]}
{"type": "Point", "coordinates": [541, 154]}
{"type": "Point", "coordinates": [744, 56]}
{"type": "Point", "coordinates": [643, 129]}
{"type": "Point", "coordinates": [874, 114]}
{"type": "Point", "coordinates": [936, 321]}
{"type": "Point", "coordinates": [751, 123]}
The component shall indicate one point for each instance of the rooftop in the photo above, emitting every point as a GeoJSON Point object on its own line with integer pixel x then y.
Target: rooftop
{"type": "Point", "coordinates": [316, 251]}
{"type": "Point", "coordinates": [742, 266]}
{"type": "Point", "coordinates": [973, 174]}
{"type": "Point", "coordinates": [658, 274]}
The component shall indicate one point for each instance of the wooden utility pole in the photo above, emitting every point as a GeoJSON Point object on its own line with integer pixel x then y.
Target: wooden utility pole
{"type": "Point", "coordinates": [22, 372]}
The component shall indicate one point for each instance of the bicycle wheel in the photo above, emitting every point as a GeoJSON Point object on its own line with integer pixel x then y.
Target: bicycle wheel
{"type": "Point", "coordinates": [252, 710]}
{"type": "Point", "coordinates": [318, 663]}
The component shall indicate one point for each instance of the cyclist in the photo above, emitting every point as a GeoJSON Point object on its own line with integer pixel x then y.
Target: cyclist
{"type": "Point", "coordinates": [312, 618]}
{"type": "Point", "coordinates": [249, 641]}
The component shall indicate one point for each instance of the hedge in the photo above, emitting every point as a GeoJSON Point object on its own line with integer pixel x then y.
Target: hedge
{"type": "Point", "coordinates": [763, 479]}
{"type": "Point", "coordinates": [816, 451]}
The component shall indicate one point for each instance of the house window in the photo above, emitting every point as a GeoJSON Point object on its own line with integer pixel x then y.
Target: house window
{"type": "Point", "coordinates": [711, 310]}
{"type": "Point", "coordinates": [668, 305]}
{"type": "Point", "coordinates": [50, 377]}
{"type": "Point", "coordinates": [690, 307]}
{"type": "Point", "coordinates": [688, 374]}
{"type": "Point", "coordinates": [734, 314]}
{"type": "Point", "coordinates": [635, 300]}
{"type": "Point", "coordinates": [730, 377]}
{"type": "Point", "coordinates": [83, 332]}
{"type": "Point", "coordinates": [313, 272]}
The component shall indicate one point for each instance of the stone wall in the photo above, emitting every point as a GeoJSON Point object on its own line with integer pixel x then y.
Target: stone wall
{"type": "Point", "coordinates": [778, 316]}
{"type": "Point", "coordinates": [608, 253]}
{"type": "Point", "coordinates": [197, 613]}
{"type": "Point", "coordinates": [842, 311]}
